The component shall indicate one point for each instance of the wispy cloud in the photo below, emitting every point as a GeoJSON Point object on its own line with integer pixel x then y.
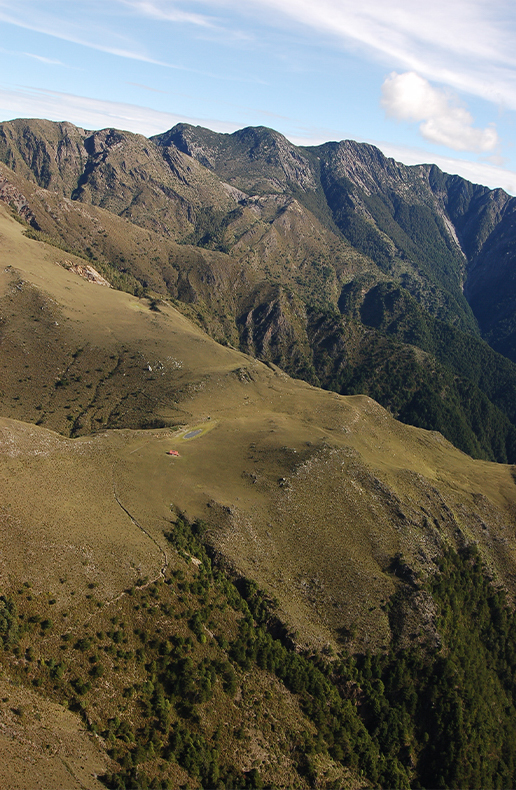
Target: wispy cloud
{"type": "Point", "coordinates": [106, 39]}
{"type": "Point", "coordinates": [401, 28]}
{"type": "Point", "coordinates": [23, 14]}
{"type": "Point", "coordinates": [209, 25]}
{"type": "Point", "coordinates": [168, 12]}
{"type": "Point", "coordinates": [42, 59]}
{"type": "Point", "coordinates": [409, 97]}
{"type": "Point", "coordinates": [467, 44]}
{"type": "Point", "coordinates": [93, 113]}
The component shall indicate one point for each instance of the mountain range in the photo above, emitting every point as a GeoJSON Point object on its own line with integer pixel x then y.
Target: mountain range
{"type": "Point", "coordinates": [209, 346]}
{"type": "Point", "coordinates": [343, 267]}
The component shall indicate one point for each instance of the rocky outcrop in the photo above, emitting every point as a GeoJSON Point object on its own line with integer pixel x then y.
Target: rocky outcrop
{"type": "Point", "coordinates": [52, 154]}
{"type": "Point", "coordinates": [256, 160]}
{"type": "Point", "coordinates": [16, 200]}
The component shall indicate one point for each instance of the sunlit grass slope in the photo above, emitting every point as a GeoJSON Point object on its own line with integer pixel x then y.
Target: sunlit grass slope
{"type": "Point", "coordinates": [308, 492]}
{"type": "Point", "coordinates": [319, 498]}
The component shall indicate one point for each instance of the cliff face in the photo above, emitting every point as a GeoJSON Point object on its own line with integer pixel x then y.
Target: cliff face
{"type": "Point", "coordinates": [52, 154]}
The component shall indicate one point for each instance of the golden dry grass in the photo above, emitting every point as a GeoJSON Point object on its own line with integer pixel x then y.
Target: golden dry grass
{"type": "Point", "coordinates": [45, 746]}
{"type": "Point", "coordinates": [310, 493]}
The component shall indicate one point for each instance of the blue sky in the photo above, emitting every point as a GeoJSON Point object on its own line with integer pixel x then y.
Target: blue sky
{"type": "Point", "coordinates": [426, 81]}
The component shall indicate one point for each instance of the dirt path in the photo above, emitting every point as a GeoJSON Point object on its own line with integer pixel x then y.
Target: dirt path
{"type": "Point", "coordinates": [142, 529]}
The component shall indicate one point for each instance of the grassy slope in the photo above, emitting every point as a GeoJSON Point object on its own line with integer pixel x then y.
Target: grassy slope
{"type": "Point", "coordinates": [266, 427]}
{"type": "Point", "coordinates": [215, 289]}
{"type": "Point", "coordinates": [310, 493]}
{"type": "Point", "coordinates": [282, 259]}
{"type": "Point", "coordinates": [44, 745]}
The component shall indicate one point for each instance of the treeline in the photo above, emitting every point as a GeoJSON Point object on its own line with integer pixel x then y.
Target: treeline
{"type": "Point", "coordinates": [422, 717]}
{"type": "Point", "coordinates": [427, 717]}
{"type": "Point", "coordinates": [393, 311]}
{"type": "Point", "coordinates": [423, 393]}
{"type": "Point", "coordinates": [424, 371]}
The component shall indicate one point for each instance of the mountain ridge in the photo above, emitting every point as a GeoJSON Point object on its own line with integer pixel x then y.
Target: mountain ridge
{"type": "Point", "coordinates": [195, 382]}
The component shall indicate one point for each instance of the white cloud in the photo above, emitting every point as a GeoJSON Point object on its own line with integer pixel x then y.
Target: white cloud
{"type": "Point", "coordinates": [467, 44]}
{"type": "Point", "coordinates": [409, 97]}
{"type": "Point", "coordinates": [212, 27]}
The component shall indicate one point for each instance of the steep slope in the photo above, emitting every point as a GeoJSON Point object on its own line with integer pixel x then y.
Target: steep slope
{"type": "Point", "coordinates": [386, 210]}
{"type": "Point", "coordinates": [436, 234]}
{"type": "Point", "coordinates": [257, 161]}
{"type": "Point", "coordinates": [433, 233]}
{"type": "Point", "coordinates": [389, 212]}
{"type": "Point", "coordinates": [273, 302]}
{"type": "Point", "coordinates": [52, 154]}
{"type": "Point", "coordinates": [119, 171]}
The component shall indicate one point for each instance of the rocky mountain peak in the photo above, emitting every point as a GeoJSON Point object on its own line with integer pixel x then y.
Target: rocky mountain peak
{"type": "Point", "coordinates": [256, 160]}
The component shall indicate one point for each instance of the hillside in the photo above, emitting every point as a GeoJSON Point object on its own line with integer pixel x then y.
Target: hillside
{"type": "Point", "coordinates": [223, 563]}
{"type": "Point", "coordinates": [346, 520]}
{"type": "Point", "coordinates": [336, 264]}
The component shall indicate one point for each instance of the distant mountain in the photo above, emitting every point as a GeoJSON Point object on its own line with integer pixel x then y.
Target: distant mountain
{"type": "Point", "coordinates": [347, 269]}
{"type": "Point", "coordinates": [442, 237]}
